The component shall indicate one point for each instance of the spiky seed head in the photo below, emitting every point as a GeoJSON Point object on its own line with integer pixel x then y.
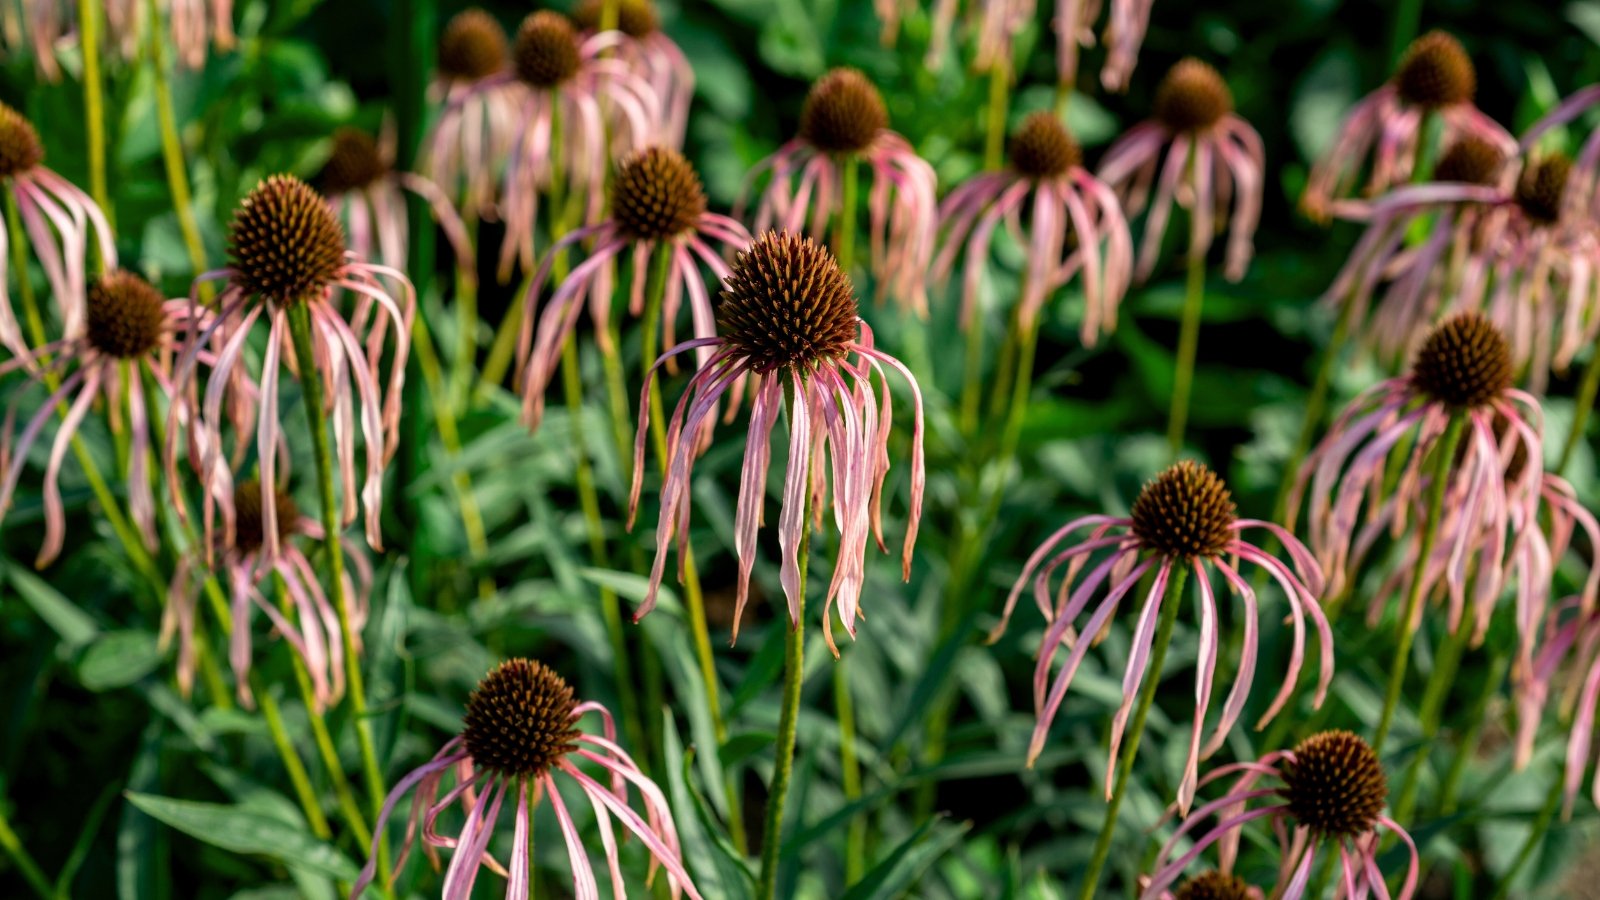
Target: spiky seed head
{"type": "Point", "coordinates": [284, 242]}
{"type": "Point", "coordinates": [787, 303]}
{"type": "Point", "coordinates": [1436, 71]}
{"type": "Point", "coordinates": [1335, 786]}
{"type": "Point", "coordinates": [473, 46]}
{"type": "Point", "coordinates": [249, 521]}
{"type": "Point", "coordinates": [546, 52]}
{"type": "Point", "coordinates": [843, 113]}
{"type": "Point", "coordinates": [1470, 160]}
{"type": "Point", "coordinates": [519, 719]}
{"type": "Point", "coordinates": [656, 195]}
{"type": "Point", "coordinates": [1185, 513]}
{"type": "Point", "coordinates": [1043, 148]}
{"type": "Point", "coordinates": [125, 315]}
{"type": "Point", "coordinates": [20, 149]}
{"type": "Point", "coordinates": [635, 18]}
{"type": "Point", "coordinates": [1542, 188]}
{"type": "Point", "coordinates": [1464, 362]}
{"type": "Point", "coordinates": [1214, 885]}
{"type": "Point", "coordinates": [1192, 97]}
{"type": "Point", "coordinates": [354, 163]}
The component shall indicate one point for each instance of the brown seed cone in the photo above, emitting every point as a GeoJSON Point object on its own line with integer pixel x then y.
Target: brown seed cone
{"type": "Point", "coordinates": [1043, 148]}
{"type": "Point", "coordinates": [1185, 513]}
{"type": "Point", "coordinates": [124, 315]}
{"type": "Point", "coordinates": [546, 52]}
{"type": "Point", "coordinates": [1543, 187]}
{"type": "Point", "coordinates": [787, 303]}
{"type": "Point", "coordinates": [1335, 786]}
{"type": "Point", "coordinates": [843, 113]}
{"type": "Point", "coordinates": [1464, 363]}
{"type": "Point", "coordinates": [1435, 72]}
{"type": "Point", "coordinates": [1192, 97]}
{"type": "Point", "coordinates": [473, 46]}
{"type": "Point", "coordinates": [635, 18]}
{"type": "Point", "coordinates": [249, 526]}
{"type": "Point", "coordinates": [354, 163]}
{"type": "Point", "coordinates": [284, 242]}
{"type": "Point", "coordinates": [656, 195]}
{"type": "Point", "coordinates": [519, 719]}
{"type": "Point", "coordinates": [1470, 160]}
{"type": "Point", "coordinates": [1214, 885]}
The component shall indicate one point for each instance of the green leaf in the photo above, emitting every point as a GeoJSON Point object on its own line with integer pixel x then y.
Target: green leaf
{"type": "Point", "coordinates": [118, 659]}
{"type": "Point", "coordinates": [906, 863]}
{"type": "Point", "coordinates": [72, 624]}
{"type": "Point", "coordinates": [725, 874]}
{"type": "Point", "coordinates": [241, 831]}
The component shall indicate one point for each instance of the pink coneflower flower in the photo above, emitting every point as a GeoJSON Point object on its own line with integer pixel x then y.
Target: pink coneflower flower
{"type": "Point", "coordinates": [286, 248]}
{"type": "Point", "coordinates": [244, 569]}
{"type": "Point", "coordinates": [652, 55]}
{"type": "Point", "coordinates": [1331, 796]}
{"type": "Point", "coordinates": [366, 192]}
{"type": "Point", "coordinates": [520, 732]}
{"type": "Point", "coordinates": [466, 152]}
{"type": "Point", "coordinates": [1461, 372]}
{"type": "Point", "coordinates": [127, 321]}
{"type": "Point", "coordinates": [1570, 648]}
{"type": "Point", "coordinates": [1213, 160]}
{"type": "Point", "coordinates": [657, 207]}
{"type": "Point", "coordinates": [1075, 227]}
{"type": "Point", "coordinates": [52, 25]}
{"type": "Point", "coordinates": [57, 218]}
{"type": "Point", "coordinates": [844, 120]}
{"type": "Point", "coordinates": [787, 322]}
{"type": "Point", "coordinates": [1382, 135]}
{"type": "Point", "coordinates": [606, 111]}
{"type": "Point", "coordinates": [1126, 25]}
{"type": "Point", "coordinates": [1184, 519]}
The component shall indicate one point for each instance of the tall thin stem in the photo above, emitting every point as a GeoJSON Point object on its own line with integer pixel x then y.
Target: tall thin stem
{"type": "Point", "coordinates": [172, 147]}
{"type": "Point", "coordinates": [1580, 415]}
{"type": "Point", "coordinates": [291, 761]}
{"type": "Point", "coordinates": [994, 142]}
{"type": "Point", "coordinates": [972, 383]}
{"type": "Point", "coordinates": [1445, 452]}
{"type": "Point", "coordinates": [94, 107]}
{"type": "Point", "coordinates": [1152, 679]}
{"type": "Point", "coordinates": [1188, 346]}
{"type": "Point", "coordinates": [311, 381]}
{"type": "Point", "coordinates": [844, 240]}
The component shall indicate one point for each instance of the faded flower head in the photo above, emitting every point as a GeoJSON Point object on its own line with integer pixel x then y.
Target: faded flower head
{"type": "Point", "coordinates": [126, 315]}
{"type": "Point", "coordinates": [1334, 785]}
{"type": "Point", "coordinates": [1436, 72]}
{"type": "Point", "coordinates": [546, 52]}
{"type": "Point", "coordinates": [657, 195]}
{"type": "Point", "coordinates": [1185, 513]}
{"type": "Point", "coordinates": [843, 113]}
{"type": "Point", "coordinates": [284, 242]}
{"type": "Point", "coordinates": [1192, 97]}
{"type": "Point", "coordinates": [472, 47]}
{"type": "Point", "coordinates": [520, 720]}
{"type": "Point", "coordinates": [1042, 148]}
{"type": "Point", "coordinates": [354, 163]}
{"type": "Point", "coordinates": [1464, 363]}
{"type": "Point", "coordinates": [787, 304]}
{"type": "Point", "coordinates": [635, 18]}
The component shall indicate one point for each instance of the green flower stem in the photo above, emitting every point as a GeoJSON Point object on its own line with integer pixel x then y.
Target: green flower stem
{"type": "Point", "coordinates": [972, 385]}
{"type": "Point", "coordinates": [1444, 458]}
{"type": "Point", "coordinates": [844, 236]}
{"type": "Point", "coordinates": [855, 844]}
{"type": "Point", "coordinates": [1152, 679]}
{"type": "Point", "coordinates": [1188, 345]}
{"type": "Point", "coordinates": [1430, 711]}
{"type": "Point", "coordinates": [311, 382]}
{"type": "Point", "coordinates": [210, 672]}
{"type": "Point", "coordinates": [24, 861]}
{"type": "Point", "coordinates": [994, 142]}
{"type": "Point", "coordinates": [291, 760]}
{"type": "Point", "coordinates": [172, 148]}
{"type": "Point", "coordinates": [1580, 416]}
{"type": "Point", "coordinates": [466, 304]}
{"type": "Point", "coordinates": [1407, 19]}
{"type": "Point", "coordinates": [94, 107]}
{"type": "Point", "coordinates": [1499, 662]}
{"type": "Point", "coordinates": [1541, 828]}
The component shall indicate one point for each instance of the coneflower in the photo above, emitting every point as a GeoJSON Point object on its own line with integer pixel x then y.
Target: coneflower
{"type": "Point", "coordinates": [520, 732]}
{"type": "Point", "coordinates": [1330, 797]}
{"type": "Point", "coordinates": [810, 183]}
{"type": "Point", "coordinates": [365, 191]}
{"type": "Point", "coordinates": [195, 26]}
{"type": "Point", "coordinates": [1126, 24]}
{"type": "Point", "coordinates": [57, 219]}
{"type": "Point", "coordinates": [652, 54]}
{"type": "Point", "coordinates": [787, 323]}
{"type": "Point", "coordinates": [466, 152]}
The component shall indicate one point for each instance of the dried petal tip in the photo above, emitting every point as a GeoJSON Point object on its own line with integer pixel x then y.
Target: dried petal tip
{"type": "Point", "coordinates": [1541, 188]}
{"type": "Point", "coordinates": [1184, 513]}
{"type": "Point", "coordinates": [284, 242]}
{"type": "Point", "coordinates": [125, 315]}
{"type": "Point", "coordinates": [1043, 148]}
{"type": "Point", "coordinates": [249, 525]}
{"type": "Point", "coordinates": [843, 113]}
{"type": "Point", "coordinates": [473, 46]}
{"type": "Point", "coordinates": [1214, 885]}
{"type": "Point", "coordinates": [656, 195]}
{"type": "Point", "coordinates": [1192, 97]}
{"type": "Point", "coordinates": [1470, 160]}
{"type": "Point", "coordinates": [20, 149]}
{"type": "Point", "coordinates": [1335, 785]}
{"type": "Point", "coordinates": [354, 163]}
{"type": "Point", "coordinates": [1436, 72]}
{"type": "Point", "coordinates": [519, 719]}
{"type": "Point", "coordinates": [787, 303]}
{"type": "Point", "coordinates": [547, 49]}
{"type": "Point", "coordinates": [635, 18]}
{"type": "Point", "coordinates": [1465, 362]}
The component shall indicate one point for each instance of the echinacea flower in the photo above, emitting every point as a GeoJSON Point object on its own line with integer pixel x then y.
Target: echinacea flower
{"type": "Point", "coordinates": [1382, 135]}
{"type": "Point", "coordinates": [844, 121]}
{"type": "Point", "coordinates": [127, 322]}
{"type": "Point", "coordinates": [996, 22]}
{"type": "Point", "coordinates": [520, 732]}
{"type": "Point", "coordinates": [57, 218]}
{"type": "Point", "coordinates": [653, 55]}
{"type": "Point", "coordinates": [1208, 160]}
{"type": "Point", "coordinates": [366, 192]}
{"type": "Point", "coordinates": [1330, 797]}
{"type": "Point", "coordinates": [285, 250]}
{"type": "Point", "coordinates": [466, 152]}
{"type": "Point", "coordinates": [1184, 519]}
{"type": "Point", "coordinates": [246, 572]}
{"type": "Point", "coordinates": [657, 207]}
{"type": "Point", "coordinates": [51, 25]}
{"type": "Point", "coordinates": [1126, 24]}
{"type": "Point", "coordinates": [1075, 227]}
{"type": "Point", "coordinates": [606, 111]}
{"type": "Point", "coordinates": [1461, 373]}
{"type": "Point", "coordinates": [1569, 651]}
{"type": "Point", "coordinates": [787, 322]}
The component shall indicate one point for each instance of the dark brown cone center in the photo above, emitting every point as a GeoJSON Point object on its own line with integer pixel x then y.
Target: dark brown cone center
{"type": "Point", "coordinates": [519, 720]}
{"type": "Point", "coordinates": [1542, 188]}
{"type": "Point", "coordinates": [787, 303]}
{"type": "Point", "coordinates": [546, 52]}
{"type": "Point", "coordinates": [1335, 786]}
{"type": "Point", "coordinates": [284, 243]}
{"type": "Point", "coordinates": [354, 163]}
{"type": "Point", "coordinates": [1213, 885]}
{"type": "Point", "coordinates": [1192, 97]}
{"type": "Point", "coordinates": [473, 46]}
{"type": "Point", "coordinates": [20, 149]}
{"type": "Point", "coordinates": [635, 18]}
{"type": "Point", "coordinates": [1435, 72]}
{"type": "Point", "coordinates": [1043, 148]}
{"type": "Point", "coordinates": [843, 113]}
{"type": "Point", "coordinates": [1470, 160]}
{"type": "Point", "coordinates": [249, 520]}
{"type": "Point", "coordinates": [1464, 363]}
{"type": "Point", "coordinates": [125, 315]}
{"type": "Point", "coordinates": [656, 195]}
{"type": "Point", "coordinates": [1185, 513]}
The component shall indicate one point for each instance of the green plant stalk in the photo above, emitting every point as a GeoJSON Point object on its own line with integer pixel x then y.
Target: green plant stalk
{"type": "Point", "coordinates": [1172, 600]}
{"type": "Point", "coordinates": [24, 861]}
{"type": "Point", "coordinates": [972, 382]}
{"type": "Point", "coordinates": [1580, 416]}
{"type": "Point", "coordinates": [172, 149]}
{"type": "Point", "coordinates": [844, 239]}
{"type": "Point", "coordinates": [1188, 346]}
{"type": "Point", "coordinates": [1446, 454]}
{"type": "Point", "coordinates": [311, 381]}
{"type": "Point", "coordinates": [1499, 662]}
{"type": "Point", "coordinates": [211, 673]}
{"type": "Point", "coordinates": [994, 142]}
{"type": "Point", "coordinates": [94, 107]}
{"type": "Point", "coordinates": [466, 304]}
{"type": "Point", "coordinates": [1430, 711]}
{"type": "Point", "coordinates": [855, 844]}
{"type": "Point", "coordinates": [291, 760]}
{"type": "Point", "coordinates": [1407, 19]}
{"type": "Point", "coordinates": [693, 596]}
{"type": "Point", "coordinates": [788, 718]}
{"type": "Point", "coordinates": [1541, 828]}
